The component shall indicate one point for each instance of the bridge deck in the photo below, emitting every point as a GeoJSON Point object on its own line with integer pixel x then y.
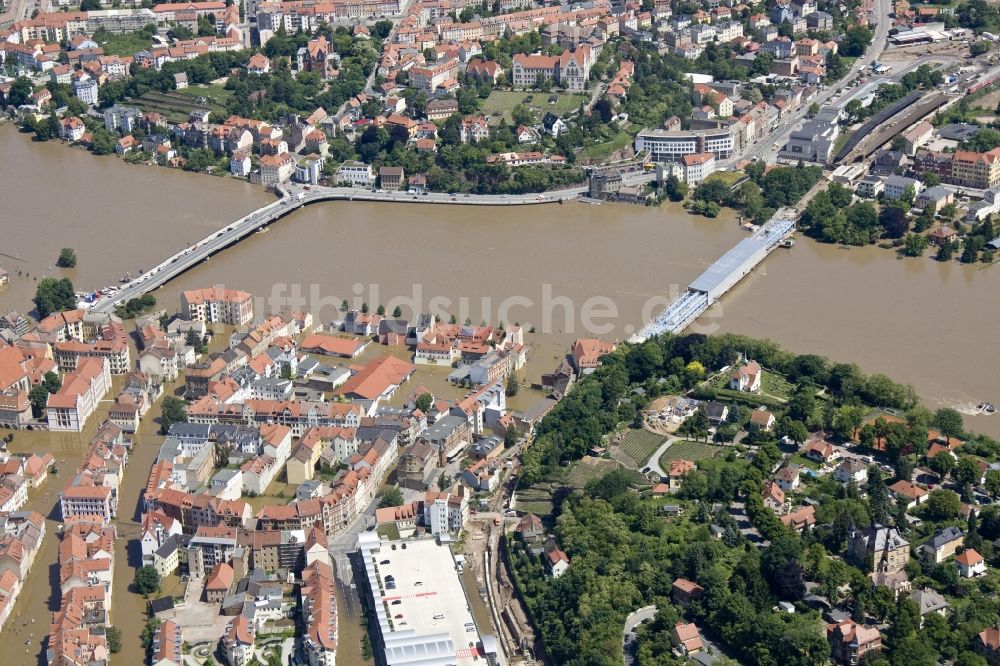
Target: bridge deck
{"type": "Point", "coordinates": [719, 278]}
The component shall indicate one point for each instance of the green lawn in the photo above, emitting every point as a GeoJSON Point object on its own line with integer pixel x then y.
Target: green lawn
{"type": "Point", "coordinates": [585, 470]}
{"type": "Point", "coordinates": [639, 445]}
{"type": "Point", "coordinates": [124, 44]}
{"type": "Point", "coordinates": [802, 461]}
{"type": "Point", "coordinates": [776, 385]}
{"type": "Point", "coordinates": [688, 450]}
{"type": "Point", "coordinates": [729, 178]}
{"type": "Point", "coordinates": [503, 102]}
{"type": "Point", "coordinates": [603, 150]}
{"type": "Point", "coordinates": [213, 92]}
{"type": "Point", "coordinates": [841, 141]}
{"type": "Point", "coordinates": [388, 530]}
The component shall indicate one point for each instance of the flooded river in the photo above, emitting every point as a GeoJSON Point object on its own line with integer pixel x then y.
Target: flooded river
{"type": "Point", "coordinates": [569, 268]}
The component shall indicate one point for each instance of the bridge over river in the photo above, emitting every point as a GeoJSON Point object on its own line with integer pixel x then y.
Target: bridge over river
{"type": "Point", "coordinates": [720, 277]}
{"type": "Point", "coordinates": [293, 197]}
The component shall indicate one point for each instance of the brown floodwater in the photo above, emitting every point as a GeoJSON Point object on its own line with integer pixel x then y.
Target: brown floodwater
{"type": "Point", "coordinates": [918, 321]}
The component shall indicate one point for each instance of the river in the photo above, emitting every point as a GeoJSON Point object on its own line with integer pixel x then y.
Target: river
{"type": "Point", "coordinates": [916, 320]}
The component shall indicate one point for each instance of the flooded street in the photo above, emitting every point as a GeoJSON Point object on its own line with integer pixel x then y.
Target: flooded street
{"type": "Point", "coordinates": [918, 321]}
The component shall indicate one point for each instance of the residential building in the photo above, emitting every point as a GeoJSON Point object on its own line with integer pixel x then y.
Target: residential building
{"type": "Point", "coordinates": [898, 186]}
{"type": "Point", "coordinates": [878, 548]}
{"type": "Point", "coordinates": [970, 564]}
{"type": "Point", "coordinates": [78, 397]}
{"type": "Point", "coordinates": [851, 469]}
{"type": "Point", "coordinates": [686, 639]}
{"type": "Point", "coordinates": [86, 89]}
{"type": "Point", "coordinates": [276, 169]}
{"type": "Point", "coordinates": [390, 178]}
{"type": "Point", "coordinates": [979, 170]}
{"type": "Point", "coordinates": [558, 562]}
{"type": "Point", "coordinates": [850, 641]}
{"type": "Point", "coordinates": [870, 187]}
{"type": "Point", "coordinates": [217, 305]}
{"type": "Point", "coordinates": [987, 644]}
{"type": "Point", "coordinates": [697, 167]}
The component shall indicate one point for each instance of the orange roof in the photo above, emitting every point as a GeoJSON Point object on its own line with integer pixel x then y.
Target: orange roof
{"type": "Point", "coordinates": [969, 558]}
{"type": "Point", "coordinates": [333, 345]}
{"type": "Point", "coordinates": [221, 578]}
{"type": "Point", "coordinates": [376, 377]}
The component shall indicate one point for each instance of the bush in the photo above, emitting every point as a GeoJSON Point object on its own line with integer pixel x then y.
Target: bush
{"type": "Point", "coordinates": [67, 258]}
{"type": "Point", "coordinates": [147, 580]}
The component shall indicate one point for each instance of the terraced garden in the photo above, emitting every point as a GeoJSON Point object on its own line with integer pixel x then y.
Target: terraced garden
{"type": "Point", "coordinates": [538, 498]}
{"type": "Point", "coordinates": [174, 106]}
{"type": "Point", "coordinates": [639, 445]}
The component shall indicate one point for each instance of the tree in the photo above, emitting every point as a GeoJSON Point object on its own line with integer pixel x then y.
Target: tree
{"type": "Point", "coordinates": [20, 91]}
{"type": "Point", "coordinates": [966, 471]}
{"type": "Point", "coordinates": [512, 385]}
{"type": "Point", "coordinates": [893, 221]}
{"type": "Point", "coordinates": [978, 48]}
{"type": "Point", "coordinates": [380, 311]}
{"type": "Point", "coordinates": [54, 295]}
{"type": "Point", "coordinates": [946, 250]}
{"type": "Point", "coordinates": [392, 496]}
{"type": "Point", "coordinates": [397, 312]}
{"type": "Point", "coordinates": [879, 502]}
{"type": "Point", "coordinates": [992, 482]}
{"type": "Point", "coordinates": [39, 397]}
{"type": "Point", "coordinates": [943, 504]}
{"type": "Point", "coordinates": [521, 115]}
{"type": "Point", "coordinates": [948, 422]}
{"type": "Point", "coordinates": [424, 402]}
{"type": "Point", "coordinates": [114, 637]}
{"type": "Point", "coordinates": [174, 410]}
{"type": "Point", "coordinates": [67, 258]}
{"type": "Point", "coordinates": [856, 40]}
{"type": "Point", "coordinates": [51, 382]}
{"type": "Point", "coordinates": [942, 464]}
{"type": "Point", "coordinates": [915, 245]}
{"type": "Point", "coordinates": [147, 580]}
{"type": "Point", "coordinates": [382, 28]}
{"type": "Point", "coordinates": [848, 420]}
{"type": "Point", "coordinates": [675, 188]}
{"type": "Point", "coordinates": [444, 481]}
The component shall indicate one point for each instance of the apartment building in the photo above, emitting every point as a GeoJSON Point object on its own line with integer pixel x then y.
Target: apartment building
{"type": "Point", "coordinates": [276, 169]}
{"type": "Point", "coordinates": [430, 78]}
{"type": "Point", "coordinates": [217, 305]}
{"type": "Point", "coordinates": [78, 397]}
{"type": "Point", "coordinates": [87, 501]}
{"type": "Point", "coordinates": [979, 170]}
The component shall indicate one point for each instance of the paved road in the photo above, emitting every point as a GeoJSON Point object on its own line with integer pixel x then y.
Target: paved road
{"type": "Point", "coordinates": [654, 460]}
{"type": "Point", "coordinates": [762, 149]}
{"type": "Point", "coordinates": [628, 634]}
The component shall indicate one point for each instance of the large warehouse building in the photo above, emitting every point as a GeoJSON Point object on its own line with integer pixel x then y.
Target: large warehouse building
{"type": "Point", "coordinates": [421, 614]}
